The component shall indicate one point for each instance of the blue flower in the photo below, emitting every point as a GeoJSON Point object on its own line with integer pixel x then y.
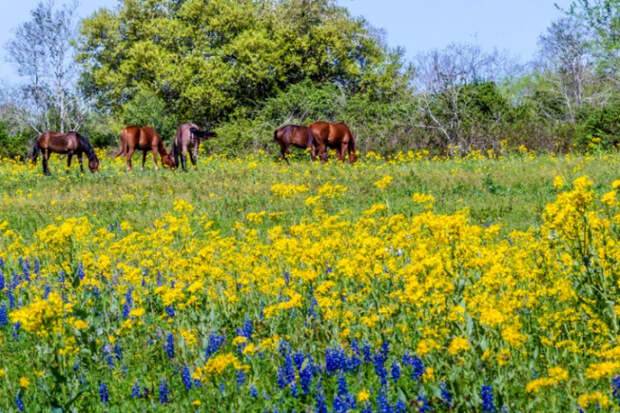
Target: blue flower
{"type": "Point", "coordinates": [299, 358]}
{"type": "Point", "coordinates": [424, 404]}
{"type": "Point", "coordinates": [286, 373]}
{"type": "Point", "coordinates": [163, 391]}
{"type": "Point", "coordinates": [305, 378]}
{"type": "Point", "coordinates": [367, 353]}
{"type": "Point", "coordinates": [3, 315]}
{"type": "Point", "coordinates": [11, 297]}
{"type": "Point", "coordinates": [46, 291]}
{"type": "Point", "coordinates": [2, 282]}
{"type": "Point", "coordinates": [240, 377]}
{"type": "Point", "coordinates": [615, 384]}
{"type": "Point", "coordinates": [16, 327]}
{"type": "Point", "coordinates": [19, 403]}
{"type": "Point", "coordinates": [486, 393]}
{"type": "Point", "coordinates": [380, 369]}
{"type": "Point", "coordinates": [320, 405]}
{"type": "Point", "coordinates": [395, 371]}
{"type": "Point", "coordinates": [80, 271]}
{"type": "Point", "coordinates": [169, 345]}
{"type": "Point", "coordinates": [335, 360]}
{"type": "Point", "coordinates": [104, 397]}
{"type": "Point", "coordinates": [135, 390]}
{"type": "Point", "coordinates": [416, 364]}
{"type": "Point", "coordinates": [215, 342]}
{"type": "Point", "coordinates": [253, 391]}
{"type": "Point", "coordinates": [118, 351]}
{"type": "Point", "coordinates": [446, 397]}
{"type": "Point", "coordinates": [247, 329]}
{"type": "Point", "coordinates": [383, 404]}
{"type": "Point", "coordinates": [185, 376]}
{"type": "Point", "coordinates": [385, 349]}
{"type": "Point", "coordinates": [170, 311]}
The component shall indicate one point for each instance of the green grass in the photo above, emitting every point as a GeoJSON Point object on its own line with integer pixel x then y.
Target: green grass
{"type": "Point", "coordinates": [511, 191]}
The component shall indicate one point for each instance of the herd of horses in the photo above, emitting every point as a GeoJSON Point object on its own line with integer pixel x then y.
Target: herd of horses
{"type": "Point", "coordinates": [317, 138]}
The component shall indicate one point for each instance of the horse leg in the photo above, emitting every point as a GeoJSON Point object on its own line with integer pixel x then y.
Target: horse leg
{"type": "Point", "coordinates": [184, 157]}
{"type": "Point", "coordinates": [130, 151]}
{"type": "Point", "coordinates": [343, 151]}
{"type": "Point", "coordinates": [69, 156]}
{"type": "Point", "coordinates": [154, 151]}
{"type": "Point", "coordinates": [284, 149]}
{"type": "Point", "coordinates": [193, 153]}
{"type": "Point", "coordinates": [81, 163]}
{"type": "Point", "coordinates": [176, 157]}
{"type": "Point", "coordinates": [143, 158]}
{"type": "Point", "coordinates": [45, 158]}
{"type": "Point", "coordinates": [323, 152]}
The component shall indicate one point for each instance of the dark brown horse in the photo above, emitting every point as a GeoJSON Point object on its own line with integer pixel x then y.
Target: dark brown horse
{"type": "Point", "coordinates": [187, 140]}
{"type": "Point", "coordinates": [334, 136]}
{"type": "Point", "coordinates": [142, 138]}
{"type": "Point", "coordinates": [294, 135]}
{"type": "Point", "coordinates": [71, 143]}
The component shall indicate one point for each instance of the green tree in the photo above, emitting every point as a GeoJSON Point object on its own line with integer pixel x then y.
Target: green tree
{"type": "Point", "coordinates": [209, 59]}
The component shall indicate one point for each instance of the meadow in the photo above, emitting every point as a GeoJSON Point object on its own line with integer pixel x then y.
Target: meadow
{"type": "Point", "coordinates": [404, 284]}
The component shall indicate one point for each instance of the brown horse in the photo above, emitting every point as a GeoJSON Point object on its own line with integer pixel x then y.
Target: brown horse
{"type": "Point", "coordinates": [334, 136]}
{"type": "Point", "coordinates": [71, 143]}
{"type": "Point", "coordinates": [187, 140]}
{"type": "Point", "coordinates": [299, 136]}
{"type": "Point", "coordinates": [143, 138]}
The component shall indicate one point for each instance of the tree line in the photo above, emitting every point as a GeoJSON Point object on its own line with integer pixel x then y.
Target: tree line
{"type": "Point", "coordinates": [245, 67]}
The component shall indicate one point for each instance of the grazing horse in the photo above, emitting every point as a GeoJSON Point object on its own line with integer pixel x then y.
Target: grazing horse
{"type": "Point", "coordinates": [187, 140]}
{"type": "Point", "coordinates": [299, 136]}
{"type": "Point", "coordinates": [71, 143]}
{"type": "Point", "coordinates": [142, 138]}
{"type": "Point", "coordinates": [334, 136]}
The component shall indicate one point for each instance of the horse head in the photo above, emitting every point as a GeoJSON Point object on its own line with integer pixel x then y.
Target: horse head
{"type": "Point", "coordinates": [93, 164]}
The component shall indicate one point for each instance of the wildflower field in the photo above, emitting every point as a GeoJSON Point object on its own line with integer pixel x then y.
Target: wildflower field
{"type": "Point", "coordinates": [391, 285]}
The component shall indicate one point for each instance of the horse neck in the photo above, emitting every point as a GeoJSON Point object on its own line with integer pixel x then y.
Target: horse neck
{"type": "Point", "coordinates": [162, 149]}
{"type": "Point", "coordinates": [87, 148]}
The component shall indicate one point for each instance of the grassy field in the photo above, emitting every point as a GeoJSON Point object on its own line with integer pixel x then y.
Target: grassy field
{"type": "Point", "coordinates": [407, 284]}
{"type": "Point", "coordinates": [510, 191]}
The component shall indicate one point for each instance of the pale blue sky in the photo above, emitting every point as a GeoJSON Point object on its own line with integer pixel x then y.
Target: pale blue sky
{"type": "Point", "coordinates": [417, 25]}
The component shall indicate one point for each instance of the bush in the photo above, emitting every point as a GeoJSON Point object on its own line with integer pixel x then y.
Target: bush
{"type": "Point", "coordinates": [14, 145]}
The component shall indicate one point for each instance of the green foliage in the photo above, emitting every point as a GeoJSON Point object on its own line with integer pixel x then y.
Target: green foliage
{"type": "Point", "coordinates": [13, 145]}
{"type": "Point", "coordinates": [208, 60]}
{"type": "Point", "coordinates": [599, 126]}
{"type": "Point", "coordinates": [146, 108]}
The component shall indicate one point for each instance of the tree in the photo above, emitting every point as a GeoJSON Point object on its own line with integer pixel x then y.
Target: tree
{"type": "Point", "coordinates": [604, 17]}
{"type": "Point", "coordinates": [43, 54]}
{"type": "Point", "coordinates": [210, 59]}
{"type": "Point", "coordinates": [453, 84]}
{"type": "Point", "coordinates": [565, 59]}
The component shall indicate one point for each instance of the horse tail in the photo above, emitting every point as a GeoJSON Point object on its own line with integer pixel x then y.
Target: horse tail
{"type": "Point", "coordinates": [351, 149]}
{"type": "Point", "coordinates": [120, 151]}
{"type": "Point", "coordinates": [310, 136]}
{"type": "Point", "coordinates": [34, 152]}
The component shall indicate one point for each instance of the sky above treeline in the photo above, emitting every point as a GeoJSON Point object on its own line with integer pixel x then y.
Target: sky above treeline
{"type": "Point", "coordinates": [417, 25]}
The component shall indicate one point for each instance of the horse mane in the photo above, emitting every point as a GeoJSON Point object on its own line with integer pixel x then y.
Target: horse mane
{"type": "Point", "coordinates": [88, 148]}
{"type": "Point", "coordinates": [202, 134]}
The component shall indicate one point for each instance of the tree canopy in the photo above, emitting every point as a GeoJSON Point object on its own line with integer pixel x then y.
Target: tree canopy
{"type": "Point", "coordinates": [208, 59]}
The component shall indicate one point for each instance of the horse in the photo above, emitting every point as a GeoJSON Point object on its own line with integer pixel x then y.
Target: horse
{"type": "Point", "coordinates": [187, 140]}
{"type": "Point", "coordinates": [71, 143]}
{"type": "Point", "coordinates": [143, 138]}
{"type": "Point", "coordinates": [299, 136]}
{"type": "Point", "coordinates": [334, 136]}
